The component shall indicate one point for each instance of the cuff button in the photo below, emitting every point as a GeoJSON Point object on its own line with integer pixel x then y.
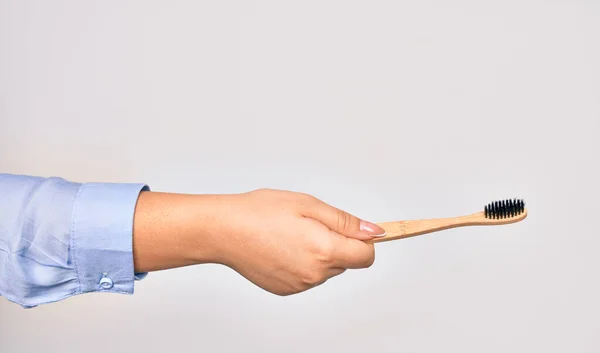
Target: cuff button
{"type": "Point", "coordinates": [106, 283]}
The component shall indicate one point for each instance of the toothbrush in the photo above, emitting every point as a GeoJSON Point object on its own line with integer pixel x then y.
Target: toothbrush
{"type": "Point", "coordinates": [495, 213]}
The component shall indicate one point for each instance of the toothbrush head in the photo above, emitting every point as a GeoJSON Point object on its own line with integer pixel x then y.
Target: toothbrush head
{"type": "Point", "coordinates": [504, 209]}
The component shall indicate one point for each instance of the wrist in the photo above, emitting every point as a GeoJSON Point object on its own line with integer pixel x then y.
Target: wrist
{"type": "Point", "coordinates": [206, 228]}
{"type": "Point", "coordinates": [175, 230]}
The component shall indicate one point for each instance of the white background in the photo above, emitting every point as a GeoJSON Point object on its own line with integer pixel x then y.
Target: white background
{"type": "Point", "coordinates": [388, 109]}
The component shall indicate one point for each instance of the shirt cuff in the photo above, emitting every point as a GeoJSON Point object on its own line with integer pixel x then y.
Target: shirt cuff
{"type": "Point", "coordinates": [102, 237]}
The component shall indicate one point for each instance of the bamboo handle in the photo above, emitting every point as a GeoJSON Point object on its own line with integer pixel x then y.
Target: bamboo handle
{"type": "Point", "coordinates": [405, 229]}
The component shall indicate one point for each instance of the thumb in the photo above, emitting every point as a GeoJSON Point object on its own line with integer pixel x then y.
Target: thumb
{"type": "Point", "coordinates": [341, 221]}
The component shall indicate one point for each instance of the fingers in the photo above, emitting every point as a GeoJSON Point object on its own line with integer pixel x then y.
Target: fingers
{"type": "Point", "coordinates": [351, 253]}
{"type": "Point", "coordinates": [329, 274]}
{"type": "Point", "coordinates": [332, 254]}
{"type": "Point", "coordinates": [340, 221]}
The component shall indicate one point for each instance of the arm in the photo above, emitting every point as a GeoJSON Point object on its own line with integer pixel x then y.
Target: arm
{"type": "Point", "coordinates": [59, 238]}
{"type": "Point", "coordinates": [284, 242]}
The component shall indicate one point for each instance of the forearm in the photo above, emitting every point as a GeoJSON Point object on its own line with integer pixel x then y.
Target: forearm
{"type": "Point", "coordinates": [176, 230]}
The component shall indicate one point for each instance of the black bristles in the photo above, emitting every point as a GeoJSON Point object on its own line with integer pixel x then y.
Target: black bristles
{"type": "Point", "coordinates": [504, 209]}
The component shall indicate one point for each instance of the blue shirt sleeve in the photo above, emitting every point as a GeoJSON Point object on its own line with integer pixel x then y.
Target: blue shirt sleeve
{"type": "Point", "coordinates": [60, 238]}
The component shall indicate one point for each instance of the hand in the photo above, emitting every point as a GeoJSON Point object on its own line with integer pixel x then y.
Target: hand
{"type": "Point", "coordinates": [284, 242]}
{"type": "Point", "coordinates": [288, 242]}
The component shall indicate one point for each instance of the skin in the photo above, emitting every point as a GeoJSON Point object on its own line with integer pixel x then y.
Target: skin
{"type": "Point", "coordinates": [284, 242]}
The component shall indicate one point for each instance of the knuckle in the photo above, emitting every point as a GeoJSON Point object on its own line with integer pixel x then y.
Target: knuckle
{"type": "Point", "coordinates": [343, 221]}
{"type": "Point", "coordinates": [324, 252]}
{"type": "Point", "coordinates": [311, 278]}
{"type": "Point", "coordinates": [307, 199]}
{"type": "Point", "coordinates": [262, 191]}
{"type": "Point", "coordinates": [285, 293]}
{"type": "Point", "coordinates": [369, 259]}
{"type": "Point", "coordinates": [297, 287]}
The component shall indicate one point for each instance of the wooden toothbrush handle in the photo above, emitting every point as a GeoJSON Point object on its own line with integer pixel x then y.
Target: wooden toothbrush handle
{"type": "Point", "coordinates": [405, 229]}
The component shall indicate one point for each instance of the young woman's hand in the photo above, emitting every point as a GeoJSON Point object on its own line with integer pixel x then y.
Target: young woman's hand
{"type": "Point", "coordinates": [285, 242]}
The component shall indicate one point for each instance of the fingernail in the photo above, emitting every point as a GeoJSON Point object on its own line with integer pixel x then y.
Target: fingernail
{"type": "Point", "coordinates": [372, 229]}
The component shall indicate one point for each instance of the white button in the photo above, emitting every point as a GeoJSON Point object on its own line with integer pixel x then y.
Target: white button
{"type": "Point", "coordinates": [106, 283]}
